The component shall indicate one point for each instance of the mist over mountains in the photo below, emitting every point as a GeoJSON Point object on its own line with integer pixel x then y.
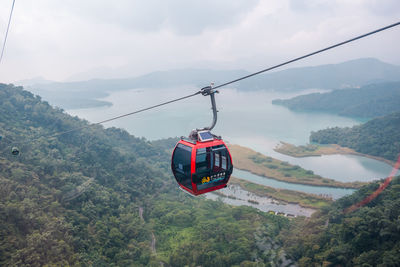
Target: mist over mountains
{"type": "Point", "coordinates": [349, 74]}
{"type": "Point", "coordinates": [369, 101]}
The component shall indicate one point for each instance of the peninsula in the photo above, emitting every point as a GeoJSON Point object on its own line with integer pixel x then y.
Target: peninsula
{"type": "Point", "coordinates": [257, 163]}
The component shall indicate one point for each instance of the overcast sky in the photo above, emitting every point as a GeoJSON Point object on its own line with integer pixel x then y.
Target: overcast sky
{"type": "Point", "coordinates": [82, 39]}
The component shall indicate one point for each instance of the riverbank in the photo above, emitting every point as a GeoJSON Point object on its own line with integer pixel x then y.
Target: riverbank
{"type": "Point", "coordinates": [257, 163]}
{"type": "Point", "coordinates": [314, 150]}
{"type": "Point", "coordinates": [288, 196]}
{"type": "Point", "coordinates": [235, 195]}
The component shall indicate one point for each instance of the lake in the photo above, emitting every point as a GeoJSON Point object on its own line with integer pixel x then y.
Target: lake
{"type": "Point", "coordinates": [244, 118]}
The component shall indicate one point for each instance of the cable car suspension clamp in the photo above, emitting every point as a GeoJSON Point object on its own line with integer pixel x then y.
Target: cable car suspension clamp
{"type": "Point", "coordinates": [208, 90]}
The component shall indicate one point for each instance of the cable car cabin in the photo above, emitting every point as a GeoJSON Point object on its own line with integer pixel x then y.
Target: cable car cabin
{"type": "Point", "coordinates": [202, 165]}
{"type": "Point", "coordinates": [15, 151]}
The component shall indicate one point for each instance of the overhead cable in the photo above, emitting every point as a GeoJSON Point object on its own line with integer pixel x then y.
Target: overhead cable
{"type": "Point", "coordinates": [310, 54]}
{"type": "Point", "coordinates": [8, 27]}
{"type": "Point", "coordinates": [125, 115]}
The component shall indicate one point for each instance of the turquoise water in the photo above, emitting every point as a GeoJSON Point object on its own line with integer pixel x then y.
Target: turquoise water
{"type": "Point", "coordinates": [335, 193]}
{"type": "Point", "coordinates": [244, 118]}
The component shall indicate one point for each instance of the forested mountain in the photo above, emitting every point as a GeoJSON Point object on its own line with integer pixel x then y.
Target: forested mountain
{"type": "Point", "coordinates": [333, 76]}
{"type": "Point", "coordinates": [378, 137]}
{"type": "Point", "coordinates": [369, 236]}
{"type": "Point", "coordinates": [101, 197]}
{"type": "Point", "coordinates": [368, 101]}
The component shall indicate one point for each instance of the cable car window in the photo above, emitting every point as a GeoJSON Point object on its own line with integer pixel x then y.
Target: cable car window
{"type": "Point", "coordinates": [211, 166]}
{"type": "Point", "coordinates": [223, 165]}
{"type": "Point", "coordinates": [216, 162]}
{"type": "Point", "coordinates": [203, 159]}
{"type": "Point", "coordinates": [182, 164]}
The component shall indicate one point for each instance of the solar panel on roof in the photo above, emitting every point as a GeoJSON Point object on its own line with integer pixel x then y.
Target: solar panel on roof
{"type": "Point", "coordinates": [205, 136]}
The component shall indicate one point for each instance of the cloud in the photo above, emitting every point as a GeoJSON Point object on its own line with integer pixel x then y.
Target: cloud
{"type": "Point", "coordinates": [189, 17]}
{"type": "Point", "coordinates": [57, 39]}
{"type": "Point", "coordinates": [384, 8]}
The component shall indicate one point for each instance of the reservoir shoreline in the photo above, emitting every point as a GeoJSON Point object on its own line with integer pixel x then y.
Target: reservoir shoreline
{"type": "Point", "coordinates": [299, 183]}
{"type": "Point", "coordinates": [237, 196]}
{"type": "Point", "coordinates": [306, 200]}
{"type": "Point", "coordinates": [256, 163]}
{"type": "Point", "coordinates": [309, 190]}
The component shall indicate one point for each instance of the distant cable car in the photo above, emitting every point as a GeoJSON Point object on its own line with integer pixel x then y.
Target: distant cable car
{"type": "Point", "coordinates": [15, 151]}
{"type": "Point", "coordinates": [202, 163]}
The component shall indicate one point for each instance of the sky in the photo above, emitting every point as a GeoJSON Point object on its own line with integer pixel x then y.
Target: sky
{"type": "Point", "coordinates": [78, 40]}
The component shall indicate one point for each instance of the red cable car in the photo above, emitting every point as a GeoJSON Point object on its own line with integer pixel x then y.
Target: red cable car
{"type": "Point", "coordinates": [201, 166]}
{"type": "Point", "coordinates": [202, 163]}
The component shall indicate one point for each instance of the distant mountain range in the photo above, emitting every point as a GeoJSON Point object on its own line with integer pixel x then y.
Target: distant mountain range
{"type": "Point", "coordinates": [350, 74]}
{"type": "Point", "coordinates": [333, 76]}
{"type": "Point", "coordinates": [367, 102]}
{"type": "Point", "coordinates": [84, 94]}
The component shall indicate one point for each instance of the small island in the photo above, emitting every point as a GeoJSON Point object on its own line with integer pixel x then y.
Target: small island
{"type": "Point", "coordinates": [257, 163]}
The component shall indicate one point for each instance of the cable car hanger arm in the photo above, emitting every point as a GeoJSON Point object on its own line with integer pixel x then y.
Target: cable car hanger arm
{"type": "Point", "coordinates": [208, 90]}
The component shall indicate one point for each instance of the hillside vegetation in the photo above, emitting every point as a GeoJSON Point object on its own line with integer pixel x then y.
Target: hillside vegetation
{"type": "Point", "coordinates": [379, 137]}
{"type": "Point", "coordinates": [367, 102]}
{"type": "Point", "coordinates": [369, 236]}
{"type": "Point", "coordinates": [101, 197]}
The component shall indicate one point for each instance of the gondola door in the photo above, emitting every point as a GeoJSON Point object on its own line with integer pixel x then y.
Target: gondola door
{"type": "Point", "coordinates": [213, 167]}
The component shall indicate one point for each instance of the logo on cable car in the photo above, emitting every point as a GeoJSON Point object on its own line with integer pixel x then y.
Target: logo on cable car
{"type": "Point", "coordinates": [205, 180]}
{"type": "Point", "coordinates": [213, 178]}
